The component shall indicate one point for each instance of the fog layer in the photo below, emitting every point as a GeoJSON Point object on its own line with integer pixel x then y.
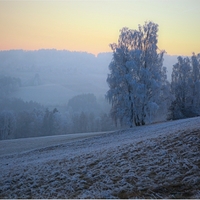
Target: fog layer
{"type": "Point", "coordinates": [52, 77]}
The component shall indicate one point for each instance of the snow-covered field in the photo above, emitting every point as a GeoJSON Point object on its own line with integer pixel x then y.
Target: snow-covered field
{"type": "Point", "coordinates": [155, 161]}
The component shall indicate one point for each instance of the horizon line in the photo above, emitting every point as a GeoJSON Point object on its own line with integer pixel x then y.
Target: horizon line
{"type": "Point", "coordinates": [78, 51]}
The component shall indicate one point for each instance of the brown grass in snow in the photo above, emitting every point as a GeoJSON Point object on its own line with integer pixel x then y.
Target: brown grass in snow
{"type": "Point", "coordinates": [164, 167]}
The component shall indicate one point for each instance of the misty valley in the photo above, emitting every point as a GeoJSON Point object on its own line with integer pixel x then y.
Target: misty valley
{"type": "Point", "coordinates": [53, 92]}
{"type": "Point", "coordinates": [50, 92]}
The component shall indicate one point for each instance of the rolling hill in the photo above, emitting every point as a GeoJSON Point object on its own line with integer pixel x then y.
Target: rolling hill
{"type": "Point", "coordinates": [154, 161]}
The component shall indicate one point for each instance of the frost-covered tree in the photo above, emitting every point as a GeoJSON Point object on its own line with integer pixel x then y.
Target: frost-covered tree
{"type": "Point", "coordinates": [137, 78]}
{"type": "Point", "coordinates": [7, 124]}
{"type": "Point", "coordinates": [181, 86]}
{"type": "Point", "coordinates": [185, 87]}
{"type": "Point", "coordinates": [195, 100]}
{"type": "Point", "coordinates": [49, 122]}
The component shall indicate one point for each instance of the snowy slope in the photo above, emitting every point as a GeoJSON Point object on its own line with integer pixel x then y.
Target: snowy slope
{"type": "Point", "coordinates": [155, 161]}
{"type": "Point", "coordinates": [8, 147]}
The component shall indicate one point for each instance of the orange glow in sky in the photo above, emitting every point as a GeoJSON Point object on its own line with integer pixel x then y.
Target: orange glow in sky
{"type": "Point", "coordinates": [91, 25]}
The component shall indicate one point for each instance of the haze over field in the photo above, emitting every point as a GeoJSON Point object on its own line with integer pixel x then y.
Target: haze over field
{"type": "Point", "coordinates": [52, 77]}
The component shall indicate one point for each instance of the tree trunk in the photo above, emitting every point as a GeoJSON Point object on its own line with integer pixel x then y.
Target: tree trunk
{"type": "Point", "coordinates": [131, 117]}
{"type": "Point", "coordinates": [136, 120]}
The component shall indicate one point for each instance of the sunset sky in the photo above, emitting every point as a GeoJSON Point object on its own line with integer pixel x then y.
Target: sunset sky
{"type": "Point", "coordinates": [91, 25]}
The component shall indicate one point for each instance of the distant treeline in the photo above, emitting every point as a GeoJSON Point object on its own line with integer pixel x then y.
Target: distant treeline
{"type": "Point", "coordinates": [49, 59]}
{"type": "Point", "coordinates": [19, 119]}
{"type": "Point", "coordinates": [72, 61]}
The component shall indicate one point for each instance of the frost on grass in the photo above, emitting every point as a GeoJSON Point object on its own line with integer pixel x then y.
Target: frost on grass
{"type": "Point", "coordinates": [163, 163]}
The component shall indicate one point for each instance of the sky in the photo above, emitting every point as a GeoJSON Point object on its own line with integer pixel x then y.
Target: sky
{"type": "Point", "coordinates": [91, 25]}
